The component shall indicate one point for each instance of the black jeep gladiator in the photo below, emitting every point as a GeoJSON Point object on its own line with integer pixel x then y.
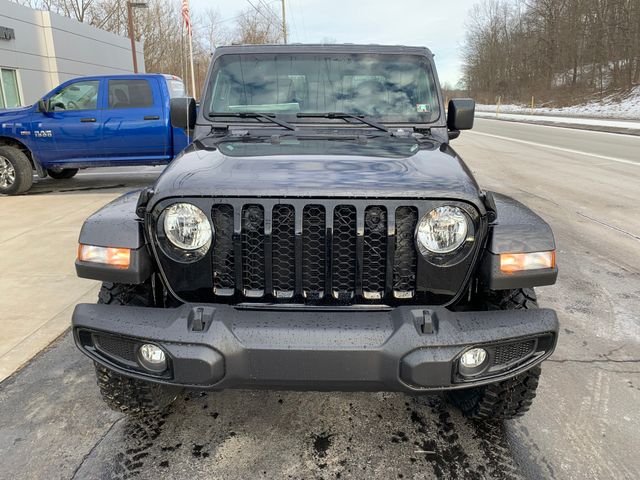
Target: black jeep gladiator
{"type": "Point", "coordinates": [319, 233]}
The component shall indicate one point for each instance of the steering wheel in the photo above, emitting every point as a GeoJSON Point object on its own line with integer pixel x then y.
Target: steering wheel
{"type": "Point", "coordinates": [72, 104]}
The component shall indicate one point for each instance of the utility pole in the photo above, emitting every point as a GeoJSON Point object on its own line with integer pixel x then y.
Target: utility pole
{"type": "Point", "coordinates": [132, 35]}
{"type": "Point", "coordinates": [284, 23]}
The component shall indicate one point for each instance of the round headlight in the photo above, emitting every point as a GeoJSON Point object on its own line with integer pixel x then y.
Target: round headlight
{"type": "Point", "coordinates": [187, 227]}
{"type": "Point", "coordinates": [442, 230]}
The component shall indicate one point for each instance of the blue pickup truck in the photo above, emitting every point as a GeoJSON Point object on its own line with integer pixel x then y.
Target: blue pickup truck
{"type": "Point", "coordinates": [101, 121]}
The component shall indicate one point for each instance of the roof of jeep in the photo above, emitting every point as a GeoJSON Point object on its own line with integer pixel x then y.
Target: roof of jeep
{"type": "Point", "coordinates": [313, 48]}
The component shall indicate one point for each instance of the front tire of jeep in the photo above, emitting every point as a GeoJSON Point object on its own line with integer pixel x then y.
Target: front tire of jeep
{"type": "Point", "coordinates": [16, 172]}
{"type": "Point", "coordinates": [122, 393]}
{"type": "Point", "coordinates": [509, 398]}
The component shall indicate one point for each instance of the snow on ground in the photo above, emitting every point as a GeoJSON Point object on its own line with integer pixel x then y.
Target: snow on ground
{"type": "Point", "coordinates": [608, 107]}
{"type": "Point", "coordinates": [595, 122]}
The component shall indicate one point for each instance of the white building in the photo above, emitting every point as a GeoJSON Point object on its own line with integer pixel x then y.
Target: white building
{"type": "Point", "coordinates": [39, 50]}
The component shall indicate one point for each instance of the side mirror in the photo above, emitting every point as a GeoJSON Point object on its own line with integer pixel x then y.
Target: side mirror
{"type": "Point", "coordinates": [43, 105]}
{"type": "Point", "coordinates": [183, 112]}
{"type": "Point", "coordinates": [461, 112]}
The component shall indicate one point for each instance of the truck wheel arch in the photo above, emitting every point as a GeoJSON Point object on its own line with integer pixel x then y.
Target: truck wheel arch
{"type": "Point", "coordinates": [12, 142]}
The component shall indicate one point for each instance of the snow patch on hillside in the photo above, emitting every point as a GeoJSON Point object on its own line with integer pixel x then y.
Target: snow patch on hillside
{"type": "Point", "coordinates": [609, 107]}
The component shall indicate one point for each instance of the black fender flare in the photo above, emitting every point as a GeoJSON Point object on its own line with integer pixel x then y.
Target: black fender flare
{"type": "Point", "coordinates": [516, 229]}
{"type": "Point", "coordinates": [117, 225]}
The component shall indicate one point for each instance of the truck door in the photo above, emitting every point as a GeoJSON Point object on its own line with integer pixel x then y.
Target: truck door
{"type": "Point", "coordinates": [136, 126]}
{"type": "Point", "coordinates": [71, 131]}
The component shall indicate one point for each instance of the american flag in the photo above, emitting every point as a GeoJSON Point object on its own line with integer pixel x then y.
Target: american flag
{"type": "Point", "coordinates": [185, 15]}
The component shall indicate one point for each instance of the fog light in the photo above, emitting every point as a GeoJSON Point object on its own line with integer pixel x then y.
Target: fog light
{"type": "Point", "coordinates": [152, 357]}
{"type": "Point", "coordinates": [473, 358]}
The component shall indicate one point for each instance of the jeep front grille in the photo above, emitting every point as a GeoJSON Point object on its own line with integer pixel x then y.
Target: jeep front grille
{"type": "Point", "coordinates": [316, 251]}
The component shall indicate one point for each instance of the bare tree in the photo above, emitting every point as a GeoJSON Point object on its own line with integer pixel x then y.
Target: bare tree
{"type": "Point", "coordinates": [562, 50]}
{"type": "Point", "coordinates": [258, 24]}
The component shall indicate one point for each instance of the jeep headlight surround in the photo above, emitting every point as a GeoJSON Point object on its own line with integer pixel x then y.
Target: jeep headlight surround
{"type": "Point", "coordinates": [443, 230]}
{"type": "Point", "coordinates": [187, 231]}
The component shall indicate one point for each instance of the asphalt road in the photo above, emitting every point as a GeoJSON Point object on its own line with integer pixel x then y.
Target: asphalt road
{"type": "Point", "coordinates": [583, 425]}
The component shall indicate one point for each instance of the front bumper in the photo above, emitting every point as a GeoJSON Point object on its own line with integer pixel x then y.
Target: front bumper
{"type": "Point", "coordinates": [391, 349]}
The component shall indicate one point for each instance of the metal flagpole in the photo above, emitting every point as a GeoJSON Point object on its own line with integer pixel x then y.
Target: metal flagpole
{"type": "Point", "coordinates": [183, 70]}
{"type": "Point", "coordinates": [193, 77]}
{"type": "Point", "coordinates": [187, 21]}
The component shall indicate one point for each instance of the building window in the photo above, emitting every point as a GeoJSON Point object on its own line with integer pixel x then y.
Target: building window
{"type": "Point", "coordinates": [9, 92]}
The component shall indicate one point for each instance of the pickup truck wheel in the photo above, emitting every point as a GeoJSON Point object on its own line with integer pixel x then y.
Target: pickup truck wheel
{"type": "Point", "coordinates": [16, 173]}
{"type": "Point", "coordinates": [122, 393]}
{"type": "Point", "coordinates": [509, 398]}
{"type": "Point", "coordinates": [63, 174]}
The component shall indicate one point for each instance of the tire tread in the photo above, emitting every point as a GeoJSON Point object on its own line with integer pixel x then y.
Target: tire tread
{"type": "Point", "coordinates": [510, 398]}
{"type": "Point", "coordinates": [126, 394]}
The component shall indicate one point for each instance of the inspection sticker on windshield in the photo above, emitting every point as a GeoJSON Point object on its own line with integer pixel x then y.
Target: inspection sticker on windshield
{"type": "Point", "coordinates": [422, 107]}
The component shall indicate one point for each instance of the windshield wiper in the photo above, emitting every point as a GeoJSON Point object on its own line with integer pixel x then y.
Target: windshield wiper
{"type": "Point", "coordinates": [265, 116]}
{"type": "Point", "coordinates": [345, 117]}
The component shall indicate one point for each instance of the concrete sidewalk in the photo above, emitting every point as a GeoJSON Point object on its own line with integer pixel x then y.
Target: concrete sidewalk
{"type": "Point", "coordinates": [38, 246]}
{"type": "Point", "coordinates": [38, 241]}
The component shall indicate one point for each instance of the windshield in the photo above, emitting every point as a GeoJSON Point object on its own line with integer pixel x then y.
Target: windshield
{"type": "Point", "coordinates": [389, 88]}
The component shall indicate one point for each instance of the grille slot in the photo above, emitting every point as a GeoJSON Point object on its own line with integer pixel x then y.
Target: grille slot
{"type": "Point", "coordinates": [343, 267]}
{"type": "Point", "coordinates": [512, 352]}
{"type": "Point", "coordinates": [223, 257]}
{"type": "Point", "coordinates": [283, 251]}
{"type": "Point", "coordinates": [404, 266]}
{"type": "Point", "coordinates": [375, 252]}
{"type": "Point", "coordinates": [313, 251]}
{"type": "Point", "coordinates": [253, 256]}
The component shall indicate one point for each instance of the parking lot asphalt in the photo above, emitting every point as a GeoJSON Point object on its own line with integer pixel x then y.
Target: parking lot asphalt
{"type": "Point", "coordinates": [583, 425]}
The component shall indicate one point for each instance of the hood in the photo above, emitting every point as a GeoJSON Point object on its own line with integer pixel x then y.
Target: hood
{"type": "Point", "coordinates": [11, 112]}
{"type": "Point", "coordinates": [383, 168]}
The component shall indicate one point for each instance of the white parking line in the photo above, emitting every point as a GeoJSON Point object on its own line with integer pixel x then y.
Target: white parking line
{"type": "Point", "coordinates": [560, 149]}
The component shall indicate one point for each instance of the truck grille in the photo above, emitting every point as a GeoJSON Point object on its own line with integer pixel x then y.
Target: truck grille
{"type": "Point", "coordinates": [339, 252]}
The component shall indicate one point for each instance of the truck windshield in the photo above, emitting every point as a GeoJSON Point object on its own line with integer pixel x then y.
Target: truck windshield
{"type": "Point", "coordinates": [387, 87]}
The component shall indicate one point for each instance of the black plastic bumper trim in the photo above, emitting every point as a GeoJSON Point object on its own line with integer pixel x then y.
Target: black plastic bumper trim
{"type": "Point", "coordinates": [315, 349]}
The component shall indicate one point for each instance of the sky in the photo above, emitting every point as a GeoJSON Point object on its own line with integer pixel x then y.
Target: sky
{"type": "Point", "coordinates": [437, 24]}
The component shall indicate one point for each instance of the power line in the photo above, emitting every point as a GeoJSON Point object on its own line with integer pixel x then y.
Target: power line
{"type": "Point", "coordinates": [259, 10]}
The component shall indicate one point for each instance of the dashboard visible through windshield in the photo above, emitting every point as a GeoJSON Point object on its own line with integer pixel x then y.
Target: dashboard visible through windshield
{"type": "Point", "coordinates": [386, 87]}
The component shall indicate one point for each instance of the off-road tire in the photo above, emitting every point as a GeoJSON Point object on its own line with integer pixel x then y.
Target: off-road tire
{"type": "Point", "coordinates": [509, 398]}
{"type": "Point", "coordinates": [504, 400]}
{"type": "Point", "coordinates": [64, 174]}
{"type": "Point", "coordinates": [518, 299]}
{"type": "Point", "coordinates": [22, 168]}
{"type": "Point", "coordinates": [122, 393]}
{"type": "Point", "coordinates": [132, 396]}
{"type": "Point", "coordinates": [124, 294]}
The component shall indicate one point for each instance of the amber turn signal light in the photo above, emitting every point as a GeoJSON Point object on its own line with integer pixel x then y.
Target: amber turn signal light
{"type": "Point", "coordinates": [516, 262]}
{"type": "Point", "coordinates": [115, 257]}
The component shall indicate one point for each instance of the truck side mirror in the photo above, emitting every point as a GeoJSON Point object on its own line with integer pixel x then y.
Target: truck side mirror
{"type": "Point", "coordinates": [461, 112]}
{"type": "Point", "coordinates": [183, 112]}
{"type": "Point", "coordinates": [43, 105]}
